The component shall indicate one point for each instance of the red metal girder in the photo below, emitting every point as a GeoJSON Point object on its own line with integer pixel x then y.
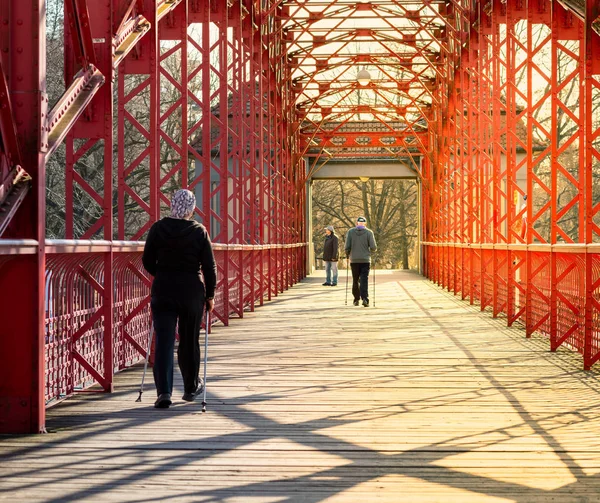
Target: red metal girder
{"type": "Point", "coordinates": [277, 187]}
{"type": "Point", "coordinates": [127, 36]}
{"type": "Point", "coordinates": [8, 128]}
{"type": "Point", "coordinates": [364, 140]}
{"type": "Point", "coordinates": [14, 181]}
{"type": "Point", "coordinates": [79, 23]}
{"type": "Point", "coordinates": [72, 105]}
{"type": "Point", "coordinates": [165, 7]}
{"type": "Point", "coordinates": [13, 190]}
{"type": "Point", "coordinates": [91, 90]}
{"type": "Point", "coordinates": [139, 200]}
{"type": "Point", "coordinates": [561, 179]}
{"type": "Point", "coordinates": [591, 159]}
{"type": "Point", "coordinates": [174, 162]}
{"type": "Point", "coordinates": [22, 312]}
{"type": "Point", "coordinates": [123, 10]}
{"type": "Point", "coordinates": [543, 286]}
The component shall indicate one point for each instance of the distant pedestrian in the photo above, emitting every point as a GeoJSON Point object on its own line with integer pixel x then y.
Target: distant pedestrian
{"type": "Point", "coordinates": [331, 256]}
{"type": "Point", "coordinates": [360, 243]}
{"type": "Point", "coordinates": [177, 249]}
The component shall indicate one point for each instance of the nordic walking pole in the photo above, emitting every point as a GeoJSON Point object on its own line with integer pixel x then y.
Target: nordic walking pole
{"type": "Point", "coordinates": [374, 282]}
{"type": "Point", "coordinates": [347, 265]}
{"type": "Point", "coordinates": [205, 357]}
{"type": "Point", "coordinates": [150, 336]}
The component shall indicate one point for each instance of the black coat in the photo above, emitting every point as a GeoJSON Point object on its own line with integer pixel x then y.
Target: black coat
{"type": "Point", "coordinates": [175, 253]}
{"type": "Point", "coordinates": [331, 251]}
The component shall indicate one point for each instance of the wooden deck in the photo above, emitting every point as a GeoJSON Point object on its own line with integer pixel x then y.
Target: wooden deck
{"type": "Point", "coordinates": [420, 399]}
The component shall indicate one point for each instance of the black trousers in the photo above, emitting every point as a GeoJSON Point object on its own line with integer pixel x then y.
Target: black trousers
{"type": "Point", "coordinates": [360, 280]}
{"type": "Point", "coordinates": [167, 312]}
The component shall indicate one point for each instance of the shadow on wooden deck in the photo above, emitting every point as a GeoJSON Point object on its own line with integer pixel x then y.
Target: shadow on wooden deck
{"type": "Point", "coordinates": [420, 399]}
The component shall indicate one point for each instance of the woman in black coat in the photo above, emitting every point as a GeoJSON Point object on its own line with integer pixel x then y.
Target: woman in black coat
{"type": "Point", "coordinates": [176, 251]}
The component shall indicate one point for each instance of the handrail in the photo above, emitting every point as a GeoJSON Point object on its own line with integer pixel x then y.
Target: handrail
{"type": "Point", "coordinates": [533, 247]}
{"type": "Point", "coordinates": [30, 246]}
{"type": "Point", "coordinates": [18, 246]}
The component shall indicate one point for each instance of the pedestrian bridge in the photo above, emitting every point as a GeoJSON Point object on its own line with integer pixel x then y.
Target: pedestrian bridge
{"type": "Point", "coordinates": [419, 398]}
{"type": "Point", "coordinates": [490, 394]}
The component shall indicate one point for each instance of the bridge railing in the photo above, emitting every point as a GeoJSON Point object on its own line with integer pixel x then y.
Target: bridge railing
{"type": "Point", "coordinates": [87, 327]}
{"type": "Point", "coordinates": [550, 289]}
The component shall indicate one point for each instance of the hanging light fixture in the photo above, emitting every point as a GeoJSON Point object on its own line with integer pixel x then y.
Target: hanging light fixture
{"type": "Point", "coordinates": [363, 77]}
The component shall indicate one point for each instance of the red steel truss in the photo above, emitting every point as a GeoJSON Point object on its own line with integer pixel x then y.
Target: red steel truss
{"type": "Point", "coordinates": [202, 102]}
{"type": "Point", "coordinates": [493, 103]}
{"type": "Point", "coordinates": [522, 121]}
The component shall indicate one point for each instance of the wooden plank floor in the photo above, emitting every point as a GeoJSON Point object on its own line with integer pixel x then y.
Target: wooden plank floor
{"type": "Point", "coordinates": [419, 399]}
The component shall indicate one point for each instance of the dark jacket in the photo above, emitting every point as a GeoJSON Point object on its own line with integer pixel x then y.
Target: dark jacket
{"type": "Point", "coordinates": [360, 242]}
{"type": "Point", "coordinates": [331, 248]}
{"type": "Point", "coordinates": [175, 253]}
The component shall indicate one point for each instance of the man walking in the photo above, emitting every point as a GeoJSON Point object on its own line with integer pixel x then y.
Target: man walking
{"type": "Point", "coordinates": [330, 256]}
{"type": "Point", "coordinates": [360, 243]}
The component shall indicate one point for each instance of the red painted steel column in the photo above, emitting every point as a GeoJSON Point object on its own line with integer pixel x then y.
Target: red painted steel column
{"type": "Point", "coordinates": [262, 161]}
{"type": "Point", "coordinates": [471, 173]}
{"type": "Point", "coordinates": [22, 309]}
{"type": "Point", "coordinates": [567, 183]}
{"type": "Point", "coordinates": [173, 116]}
{"type": "Point", "coordinates": [105, 65]}
{"type": "Point", "coordinates": [235, 197]}
{"type": "Point", "coordinates": [95, 126]}
{"type": "Point", "coordinates": [250, 164]}
{"type": "Point", "coordinates": [221, 13]}
{"type": "Point", "coordinates": [514, 210]}
{"type": "Point", "coordinates": [138, 163]}
{"type": "Point", "coordinates": [497, 148]}
{"type": "Point", "coordinates": [555, 27]}
{"type": "Point", "coordinates": [590, 91]}
{"type": "Point", "coordinates": [204, 19]}
{"type": "Point", "coordinates": [152, 39]}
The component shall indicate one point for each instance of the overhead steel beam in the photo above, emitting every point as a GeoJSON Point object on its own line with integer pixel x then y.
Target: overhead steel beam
{"type": "Point", "coordinates": [71, 106]}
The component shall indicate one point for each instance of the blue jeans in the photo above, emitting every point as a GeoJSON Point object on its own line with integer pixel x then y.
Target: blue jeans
{"type": "Point", "coordinates": [331, 267]}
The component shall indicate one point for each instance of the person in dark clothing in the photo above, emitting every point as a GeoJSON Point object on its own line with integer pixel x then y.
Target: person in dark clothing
{"type": "Point", "coordinates": [360, 243]}
{"type": "Point", "coordinates": [176, 250]}
{"type": "Point", "coordinates": [331, 256]}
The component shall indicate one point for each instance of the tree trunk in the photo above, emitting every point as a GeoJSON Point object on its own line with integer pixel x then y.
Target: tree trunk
{"type": "Point", "coordinates": [402, 222]}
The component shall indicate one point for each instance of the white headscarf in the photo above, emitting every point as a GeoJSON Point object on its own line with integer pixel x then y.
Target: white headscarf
{"type": "Point", "coordinates": [183, 203]}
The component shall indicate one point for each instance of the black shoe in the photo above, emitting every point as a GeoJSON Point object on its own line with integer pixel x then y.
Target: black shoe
{"type": "Point", "coordinates": [163, 401]}
{"type": "Point", "coordinates": [333, 284]}
{"type": "Point", "coordinates": [356, 302]}
{"type": "Point", "coordinates": [365, 303]}
{"type": "Point", "coordinates": [326, 284]}
{"type": "Point", "coordinates": [190, 397]}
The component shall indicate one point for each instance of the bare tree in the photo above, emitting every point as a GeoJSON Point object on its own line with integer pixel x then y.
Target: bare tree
{"type": "Point", "coordinates": [390, 207]}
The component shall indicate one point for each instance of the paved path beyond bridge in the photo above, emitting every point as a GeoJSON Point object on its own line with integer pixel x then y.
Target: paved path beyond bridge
{"type": "Point", "coordinates": [419, 399]}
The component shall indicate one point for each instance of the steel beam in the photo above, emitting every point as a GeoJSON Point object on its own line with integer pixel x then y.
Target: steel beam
{"type": "Point", "coordinates": [22, 278]}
